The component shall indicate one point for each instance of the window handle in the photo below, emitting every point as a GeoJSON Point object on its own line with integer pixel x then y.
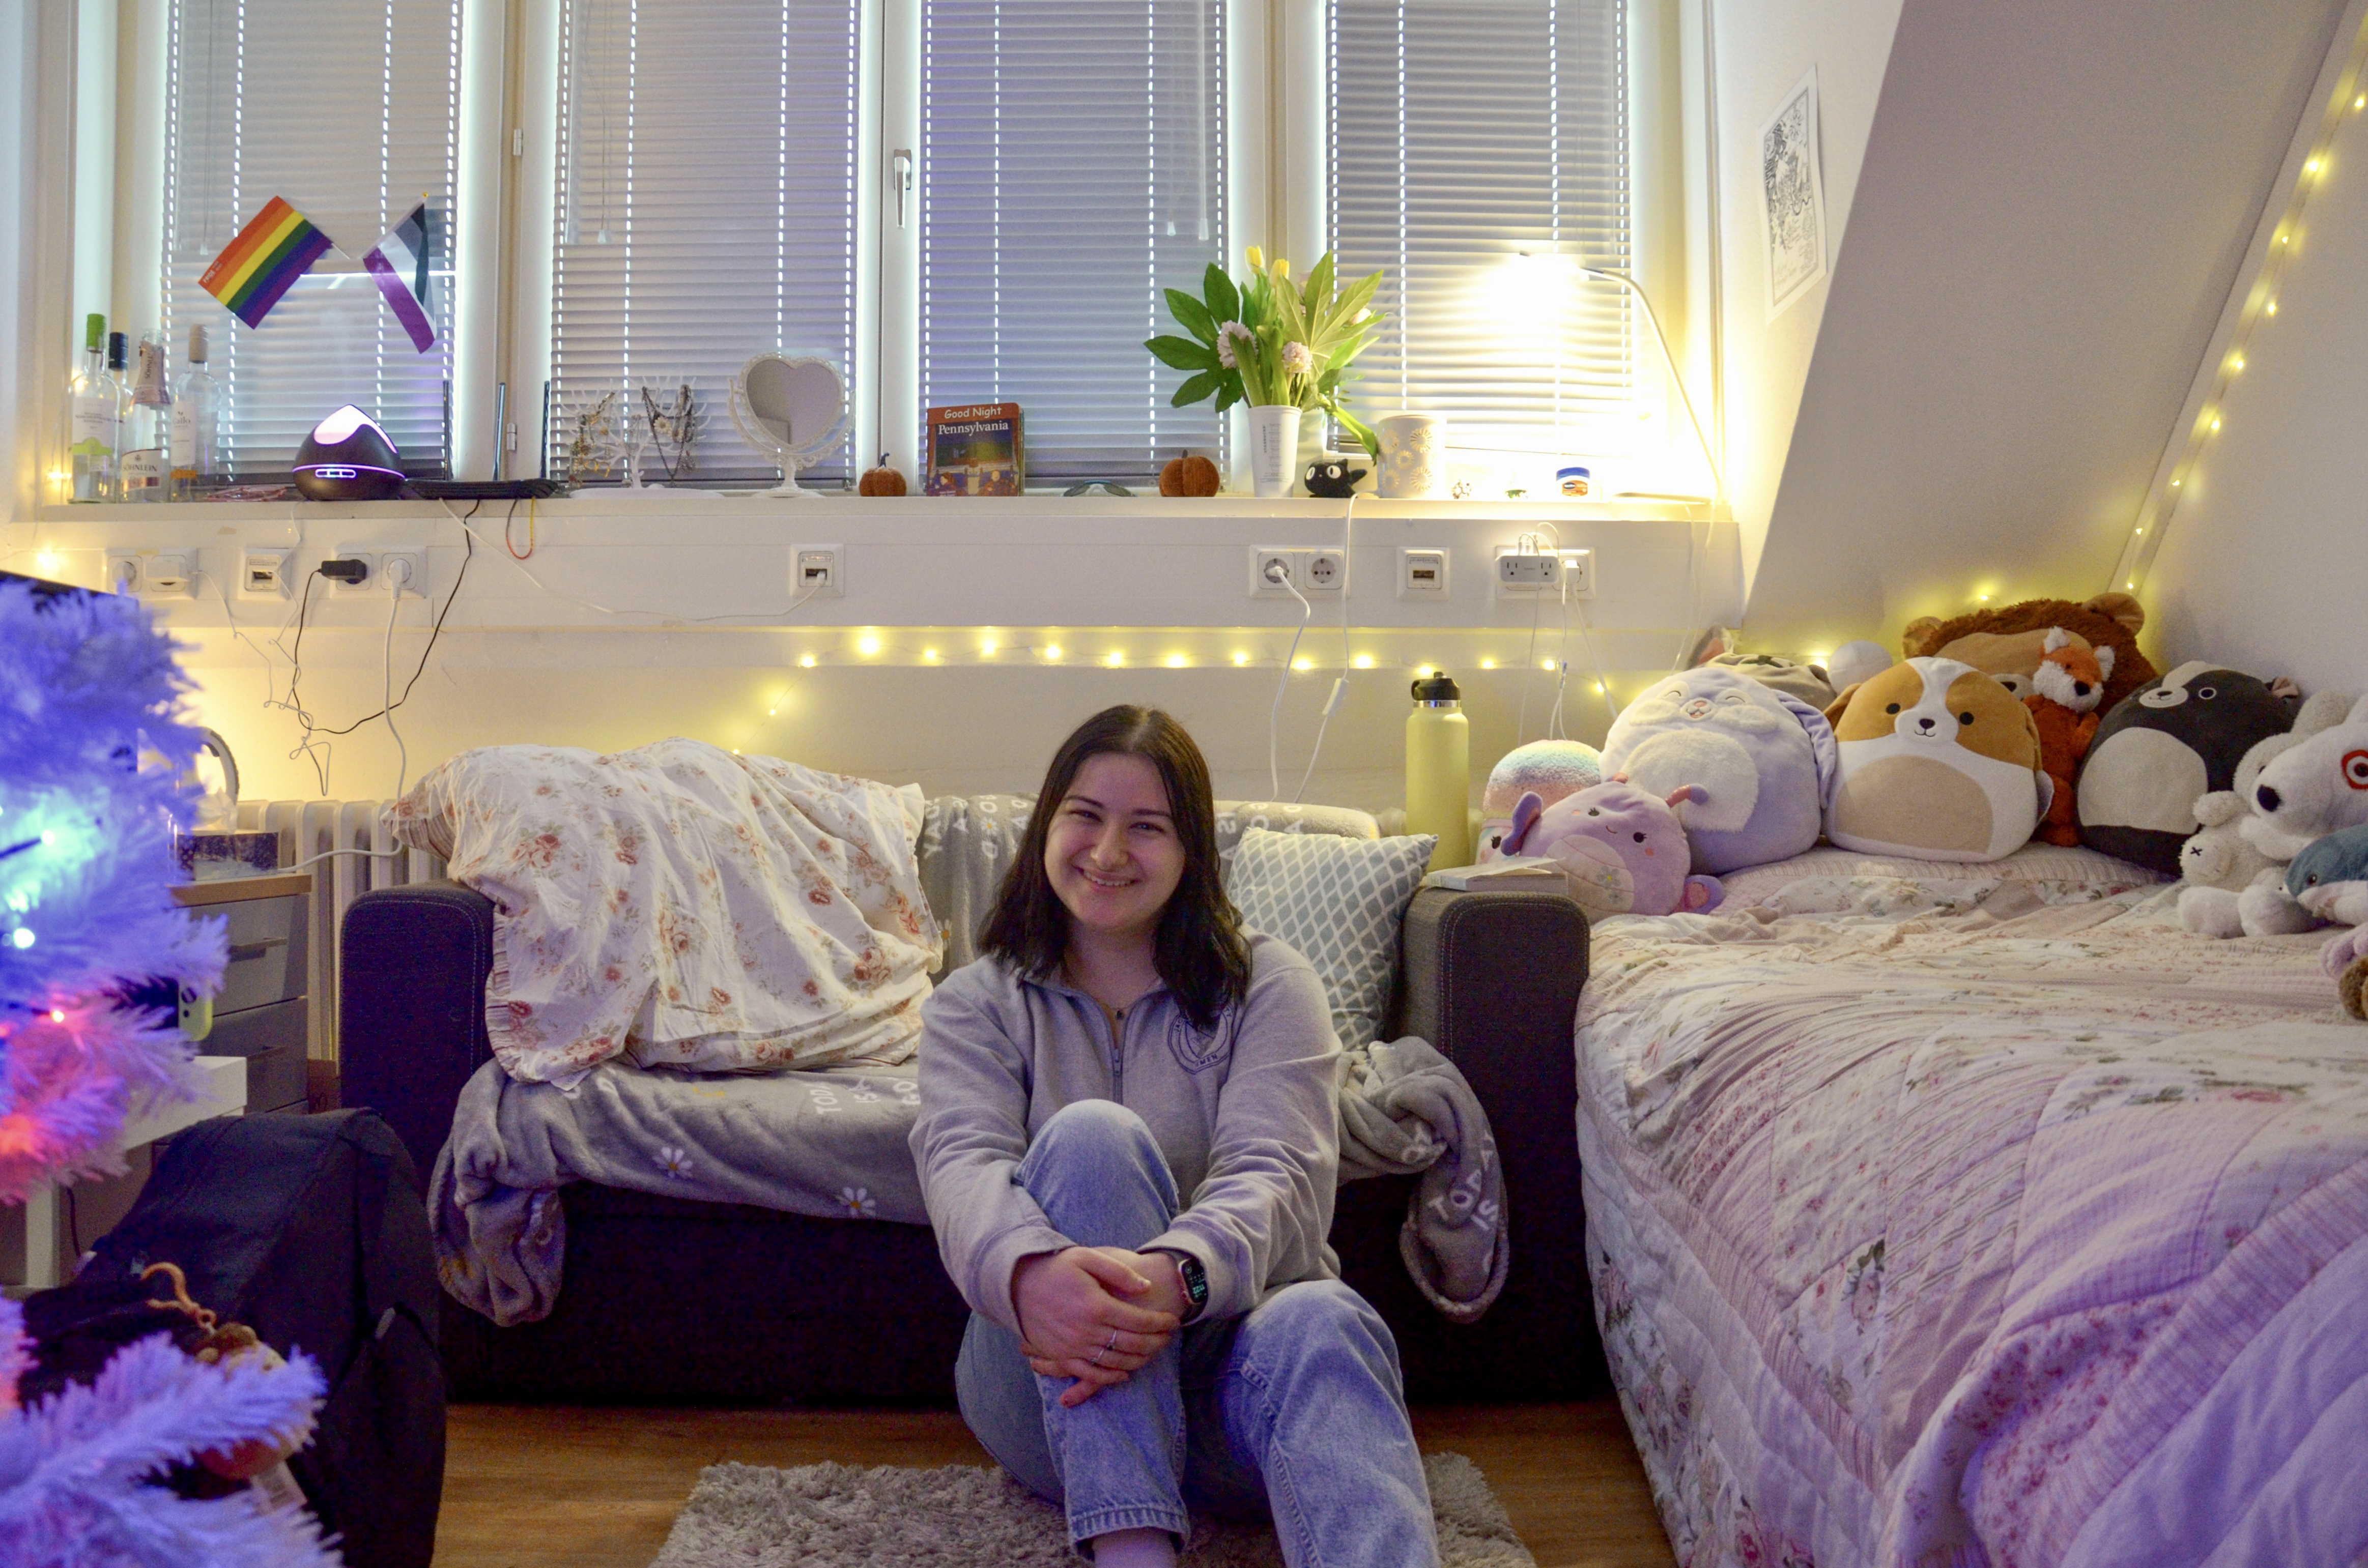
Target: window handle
{"type": "Point", "coordinates": [903, 178]}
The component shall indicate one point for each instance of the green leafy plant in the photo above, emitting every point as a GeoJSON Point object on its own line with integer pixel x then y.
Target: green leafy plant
{"type": "Point", "coordinates": [1271, 341]}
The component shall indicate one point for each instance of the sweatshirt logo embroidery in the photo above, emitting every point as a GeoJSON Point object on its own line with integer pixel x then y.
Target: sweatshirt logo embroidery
{"type": "Point", "coordinates": [1197, 1051]}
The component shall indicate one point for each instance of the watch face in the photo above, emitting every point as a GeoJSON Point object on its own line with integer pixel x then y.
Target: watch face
{"type": "Point", "coordinates": [1196, 1280]}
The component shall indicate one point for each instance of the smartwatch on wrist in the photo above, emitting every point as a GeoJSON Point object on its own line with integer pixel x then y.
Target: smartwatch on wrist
{"type": "Point", "coordinates": [1196, 1282]}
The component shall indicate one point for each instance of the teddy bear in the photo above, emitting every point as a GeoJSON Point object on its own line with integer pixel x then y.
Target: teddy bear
{"type": "Point", "coordinates": [1623, 848]}
{"type": "Point", "coordinates": [2006, 643]}
{"type": "Point", "coordinates": [2233, 871]}
{"type": "Point", "coordinates": [2067, 689]}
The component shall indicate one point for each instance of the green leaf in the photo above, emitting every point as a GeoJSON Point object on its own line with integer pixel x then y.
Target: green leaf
{"type": "Point", "coordinates": [1182, 353]}
{"type": "Point", "coordinates": [1363, 431]}
{"type": "Point", "coordinates": [1319, 287]}
{"type": "Point", "coordinates": [1225, 300]}
{"type": "Point", "coordinates": [1229, 394]}
{"type": "Point", "coordinates": [1193, 315]}
{"type": "Point", "coordinates": [1196, 388]}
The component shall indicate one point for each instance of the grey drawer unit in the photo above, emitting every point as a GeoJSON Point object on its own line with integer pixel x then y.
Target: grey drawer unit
{"type": "Point", "coordinates": [267, 953]}
{"type": "Point", "coordinates": [272, 1041]}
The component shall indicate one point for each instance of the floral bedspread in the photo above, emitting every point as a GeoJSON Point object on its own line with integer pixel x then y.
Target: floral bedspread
{"type": "Point", "coordinates": [684, 906]}
{"type": "Point", "coordinates": [2021, 1229]}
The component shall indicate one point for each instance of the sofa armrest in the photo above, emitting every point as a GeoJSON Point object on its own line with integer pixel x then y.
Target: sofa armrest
{"type": "Point", "coordinates": [1492, 980]}
{"type": "Point", "coordinates": [411, 1006]}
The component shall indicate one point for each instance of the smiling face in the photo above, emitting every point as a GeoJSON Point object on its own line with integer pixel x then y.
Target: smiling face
{"type": "Point", "coordinates": [1112, 853]}
{"type": "Point", "coordinates": [1941, 703]}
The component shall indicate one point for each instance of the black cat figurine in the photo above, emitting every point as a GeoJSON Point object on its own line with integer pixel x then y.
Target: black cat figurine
{"type": "Point", "coordinates": [1332, 478]}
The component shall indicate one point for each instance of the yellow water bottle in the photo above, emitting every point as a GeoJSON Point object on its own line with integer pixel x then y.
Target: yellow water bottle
{"type": "Point", "coordinates": [1439, 769]}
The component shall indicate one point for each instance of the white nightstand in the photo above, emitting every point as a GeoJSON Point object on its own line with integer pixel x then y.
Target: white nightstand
{"type": "Point", "coordinates": [222, 1083]}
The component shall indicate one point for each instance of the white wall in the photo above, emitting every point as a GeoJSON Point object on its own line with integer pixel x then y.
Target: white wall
{"type": "Point", "coordinates": [2054, 205]}
{"type": "Point", "coordinates": [1761, 50]}
{"type": "Point", "coordinates": [2261, 567]}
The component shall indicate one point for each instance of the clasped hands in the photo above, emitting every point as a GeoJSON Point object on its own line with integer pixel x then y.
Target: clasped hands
{"type": "Point", "coordinates": [1096, 1313]}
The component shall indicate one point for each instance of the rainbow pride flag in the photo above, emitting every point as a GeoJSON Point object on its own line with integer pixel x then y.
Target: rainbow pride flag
{"type": "Point", "coordinates": [264, 262]}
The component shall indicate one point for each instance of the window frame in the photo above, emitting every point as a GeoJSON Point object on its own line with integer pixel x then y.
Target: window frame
{"type": "Point", "coordinates": [1276, 189]}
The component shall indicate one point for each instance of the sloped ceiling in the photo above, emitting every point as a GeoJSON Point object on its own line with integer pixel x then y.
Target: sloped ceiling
{"type": "Point", "coordinates": [2052, 208]}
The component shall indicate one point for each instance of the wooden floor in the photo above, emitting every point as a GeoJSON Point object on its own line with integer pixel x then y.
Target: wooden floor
{"type": "Point", "coordinates": [537, 1488]}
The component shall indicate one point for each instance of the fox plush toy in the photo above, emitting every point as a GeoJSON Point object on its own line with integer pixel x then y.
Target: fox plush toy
{"type": "Point", "coordinates": [2067, 688]}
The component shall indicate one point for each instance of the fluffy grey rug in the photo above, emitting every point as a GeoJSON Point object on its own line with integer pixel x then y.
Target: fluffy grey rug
{"type": "Point", "coordinates": [835, 1515]}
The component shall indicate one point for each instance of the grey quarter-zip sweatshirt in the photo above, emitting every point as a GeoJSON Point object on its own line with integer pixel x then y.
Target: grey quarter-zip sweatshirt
{"type": "Point", "coordinates": [1247, 1114]}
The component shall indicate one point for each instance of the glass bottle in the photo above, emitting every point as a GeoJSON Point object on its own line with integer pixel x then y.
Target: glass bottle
{"type": "Point", "coordinates": [150, 429]}
{"type": "Point", "coordinates": [90, 420]}
{"type": "Point", "coordinates": [197, 424]}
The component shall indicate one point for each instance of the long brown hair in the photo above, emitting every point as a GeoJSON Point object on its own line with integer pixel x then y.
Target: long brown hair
{"type": "Point", "coordinates": [1199, 949]}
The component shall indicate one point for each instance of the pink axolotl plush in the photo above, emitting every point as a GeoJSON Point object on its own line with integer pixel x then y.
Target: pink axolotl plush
{"type": "Point", "coordinates": [1624, 849]}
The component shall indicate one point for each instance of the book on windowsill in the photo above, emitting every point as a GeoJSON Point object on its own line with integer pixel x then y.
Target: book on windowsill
{"type": "Point", "coordinates": [1512, 871]}
{"type": "Point", "coordinates": [976, 449]}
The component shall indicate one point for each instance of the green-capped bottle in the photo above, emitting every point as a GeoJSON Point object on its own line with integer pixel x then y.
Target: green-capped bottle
{"type": "Point", "coordinates": [91, 419]}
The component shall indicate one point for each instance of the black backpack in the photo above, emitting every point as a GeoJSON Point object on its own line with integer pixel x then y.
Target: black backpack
{"type": "Point", "coordinates": [310, 1231]}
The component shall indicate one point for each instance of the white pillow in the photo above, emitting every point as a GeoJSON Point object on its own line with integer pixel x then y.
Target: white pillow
{"type": "Point", "coordinates": [2069, 870]}
{"type": "Point", "coordinates": [1338, 902]}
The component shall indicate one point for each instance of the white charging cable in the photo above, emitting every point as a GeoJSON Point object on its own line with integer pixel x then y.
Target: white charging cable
{"type": "Point", "coordinates": [1341, 685]}
{"type": "Point", "coordinates": [398, 576]}
{"type": "Point", "coordinates": [1278, 574]}
{"type": "Point", "coordinates": [331, 854]}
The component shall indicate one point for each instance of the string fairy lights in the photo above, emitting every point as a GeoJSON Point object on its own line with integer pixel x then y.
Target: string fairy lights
{"type": "Point", "coordinates": [2258, 307]}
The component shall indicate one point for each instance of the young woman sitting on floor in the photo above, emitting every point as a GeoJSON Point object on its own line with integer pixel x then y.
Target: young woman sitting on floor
{"type": "Point", "coordinates": [1128, 1144]}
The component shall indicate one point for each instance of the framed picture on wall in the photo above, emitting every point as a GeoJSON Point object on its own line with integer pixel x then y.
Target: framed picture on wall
{"type": "Point", "coordinates": [1793, 197]}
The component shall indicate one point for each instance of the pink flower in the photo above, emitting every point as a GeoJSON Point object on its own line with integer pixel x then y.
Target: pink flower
{"type": "Point", "coordinates": [1226, 335]}
{"type": "Point", "coordinates": [1297, 360]}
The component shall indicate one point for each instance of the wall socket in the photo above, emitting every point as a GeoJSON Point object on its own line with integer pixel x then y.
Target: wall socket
{"type": "Point", "coordinates": [1422, 573]}
{"type": "Point", "coordinates": [378, 564]}
{"type": "Point", "coordinates": [1320, 572]}
{"type": "Point", "coordinates": [167, 574]}
{"type": "Point", "coordinates": [263, 575]}
{"type": "Point", "coordinates": [818, 571]}
{"type": "Point", "coordinates": [1521, 573]}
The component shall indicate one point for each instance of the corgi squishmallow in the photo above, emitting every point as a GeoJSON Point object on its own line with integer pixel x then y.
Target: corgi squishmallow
{"type": "Point", "coordinates": [1939, 762]}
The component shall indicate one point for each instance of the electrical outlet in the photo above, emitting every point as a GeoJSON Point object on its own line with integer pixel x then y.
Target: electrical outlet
{"type": "Point", "coordinates": [1422, 573]}
{"type": "Point", "coordinates": [368, 585]}
{"type": "Point", "coordinates": [1526, 573]}
{"type": "Point", "coordinates": [123, 572]}
{"type": "Point", "coordinates": [405, 568]}
{"type": "Point", "coordinates": [167, 574]}
{"type": "Point", "coordinates": [1264, 587]}
{"type": "Point", "coordinates": [1322, 571]}
{"type": "Point", "coordinates": [818, 571]}
{"type": "Point", "coordinates": [263, 575]}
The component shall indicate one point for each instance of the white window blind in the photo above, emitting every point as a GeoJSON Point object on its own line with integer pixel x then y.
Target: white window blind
{"type": "Point", "coordinates": [1479, 155]}
{"type": "Point", "coordinates": [706, 210]}
{"type": "Point", "coordinates": [349, 112]}
{"type": "Point", "coordinates": [1072, 168]}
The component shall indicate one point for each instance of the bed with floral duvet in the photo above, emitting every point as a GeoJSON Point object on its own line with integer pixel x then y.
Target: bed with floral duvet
{"type": "Point", "coordinates": [1979, 1215]}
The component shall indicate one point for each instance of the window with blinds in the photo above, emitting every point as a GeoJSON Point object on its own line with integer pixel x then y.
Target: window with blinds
{"type": "Point", "coordinates": [350, 113]}
{"type": "Point", "coordinates": [1479, 157]}
{"type": "Point", "coordinates": [1072, 169]}
{"type": "Point", "coordinates": [706, 213]}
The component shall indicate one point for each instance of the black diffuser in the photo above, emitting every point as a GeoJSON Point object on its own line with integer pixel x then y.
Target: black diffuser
{"type": "Point", "coordinates": [348, 457]}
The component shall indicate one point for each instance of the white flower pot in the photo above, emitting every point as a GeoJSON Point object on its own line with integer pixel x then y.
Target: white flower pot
{"type": "Point", "coordinates": [1274, 449]}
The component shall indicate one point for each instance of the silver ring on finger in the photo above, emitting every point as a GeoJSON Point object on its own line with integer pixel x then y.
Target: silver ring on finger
{"type": "Point", "coordinates": [1112, 1343]}
{"type": "Point", "coordinates": [1098, 1355]}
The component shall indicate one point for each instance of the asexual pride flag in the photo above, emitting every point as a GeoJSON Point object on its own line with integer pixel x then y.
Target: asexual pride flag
{"type": "Point", "coordinates": [264, 262]}
{"type": "Point", "coordinates": [399, 262]}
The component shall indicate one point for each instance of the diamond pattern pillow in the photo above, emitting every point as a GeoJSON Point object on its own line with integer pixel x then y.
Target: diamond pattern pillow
{"type": "Point", "coordinates": [1338, 903]}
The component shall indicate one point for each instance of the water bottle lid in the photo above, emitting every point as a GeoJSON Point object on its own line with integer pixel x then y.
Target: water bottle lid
{"type": "Point", "coordinates": [1436, 688]}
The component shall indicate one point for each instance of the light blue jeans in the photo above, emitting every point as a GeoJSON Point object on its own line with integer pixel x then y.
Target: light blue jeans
{"type": "Point", "coordinates": [1296, 1412]}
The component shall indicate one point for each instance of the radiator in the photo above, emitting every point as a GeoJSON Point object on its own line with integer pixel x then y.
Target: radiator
{"type": "Point", "coordinates": [307, 829]}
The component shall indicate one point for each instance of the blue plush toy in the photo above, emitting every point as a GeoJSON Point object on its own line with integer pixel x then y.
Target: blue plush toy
{"type": "Point", "coordinates": [1766, 762]}
{"type": "Point", "coordinates": [2329, 877]}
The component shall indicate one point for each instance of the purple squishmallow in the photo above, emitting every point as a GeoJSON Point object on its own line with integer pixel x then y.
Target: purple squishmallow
{"type": "Point", "coordinates": [1623, 848]}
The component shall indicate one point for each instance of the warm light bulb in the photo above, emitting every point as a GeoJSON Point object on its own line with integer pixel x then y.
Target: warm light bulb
{"type": "Point", "coordinates": [48, 559]}
{"type": "Point", "coordinates": [987, 650]}
{"type": "Point", "coordinates": [1240, 658]}
{"type": "Point", "coordinates": [1052, 652]}
{"type": "Point", "coordinates": [806, 660]}
{"type": "Point", "coordinates": [868, 647]}
{"type": "Point", "coordinates": [2177, 483]}
{"type": "Point", "coordinates": [49, 837]}
{"type": "Point", "coordinates": [1363, 661]}
{"type": "Point", "coordinates": [57, 1015]}
{"type": "Point", "coordinates": [929, 655]}
{"type": "Point", "coordinates": [1546, 664]}
{"type": "Point", "coordinates": [772, 712]}
{"type": "Point", "coordinates": [2237, 363]}
{"type": "Point", "coordinates": [2361, 102]}
{"type": "Point", "coordinates": [1487, 663]}
{"type": "Point", "coordinates": [2273, 307]}
{"type": "Point", "coordinates": [1598, 688]}
{"type": "Point", "coordinates": [2215, 422]}
{"type": "Point", "coordinates": [1115, 660]}
{"type": "Point", "coordinates": [1303, 662]}
{"type": "Point", "coordinates": [1177, 661]}
{"type": "Point", "coordinates": [1426, 672]}
{"type": "Point", "coordinates": [2311, 167]}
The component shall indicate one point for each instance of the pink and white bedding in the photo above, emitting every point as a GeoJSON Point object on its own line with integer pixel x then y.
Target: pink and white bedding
{"type": "Point", "coordinates": [1980, 1221]}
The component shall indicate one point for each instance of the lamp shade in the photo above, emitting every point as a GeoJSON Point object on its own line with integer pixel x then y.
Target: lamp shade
{"type": "Point", "coordinates": [347, 457]}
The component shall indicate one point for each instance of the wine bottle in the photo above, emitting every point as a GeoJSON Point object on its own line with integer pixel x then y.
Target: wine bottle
{"type": "Point", "coordinates": [197, 424]}
{"type": "Point", "coordinates": [90, 420]}
{"type": "Point", "coordinates": [147, 435]}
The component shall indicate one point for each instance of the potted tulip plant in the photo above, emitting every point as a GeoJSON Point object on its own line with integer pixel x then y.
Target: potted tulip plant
{"type": "Point", "coordinates": [1280, 346]}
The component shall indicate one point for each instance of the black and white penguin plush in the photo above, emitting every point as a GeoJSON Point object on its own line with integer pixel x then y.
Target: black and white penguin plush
{"type": "Point", "coordinates": [2160, 748]}
{"type": "Point", "coordinates": [1332, 478]}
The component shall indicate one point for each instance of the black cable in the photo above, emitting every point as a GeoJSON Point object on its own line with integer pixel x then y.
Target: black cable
{"type": "Point", "coordinates": [296, 657]}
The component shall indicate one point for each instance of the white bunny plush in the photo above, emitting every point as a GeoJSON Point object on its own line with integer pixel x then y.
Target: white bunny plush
{"type": "Point", "coordinates": [2233, 869]}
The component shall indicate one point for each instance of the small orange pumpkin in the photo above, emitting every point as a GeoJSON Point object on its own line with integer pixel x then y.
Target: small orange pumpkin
{"type": "Point", "coordinates": [881, 480]}
{"type": "Point", "coordinates": [1193, 475]}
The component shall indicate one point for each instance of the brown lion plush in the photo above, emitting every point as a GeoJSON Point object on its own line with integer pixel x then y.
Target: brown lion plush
{"type": "Point", "coordinates": [2007, 642]}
